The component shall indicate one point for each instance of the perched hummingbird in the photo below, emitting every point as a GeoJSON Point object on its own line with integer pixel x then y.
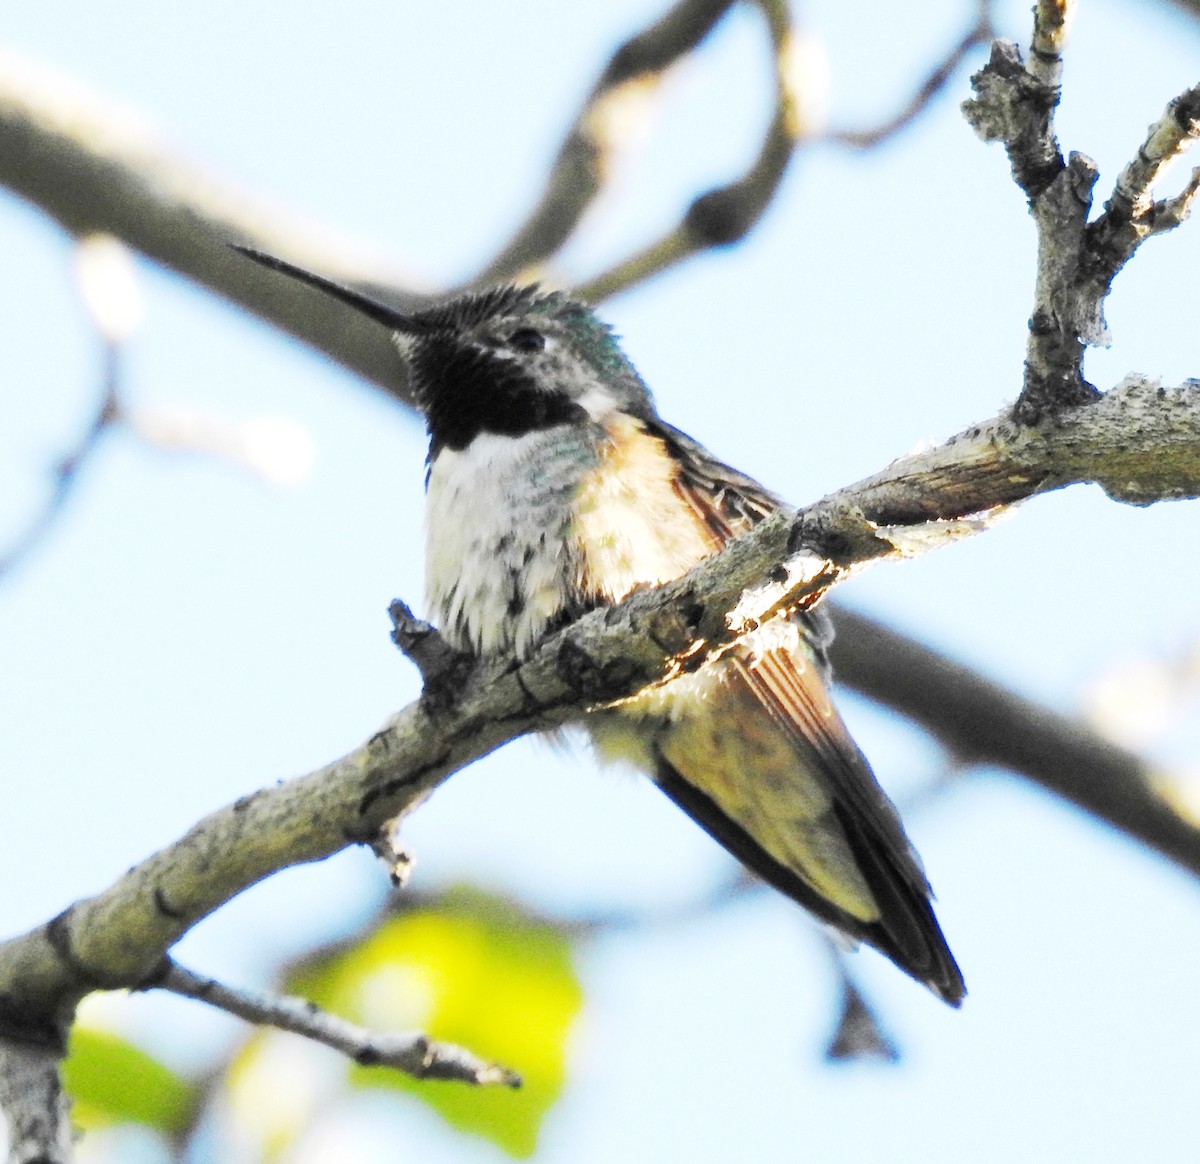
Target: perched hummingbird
{"type": "Point", "coordinates": [553, 487]}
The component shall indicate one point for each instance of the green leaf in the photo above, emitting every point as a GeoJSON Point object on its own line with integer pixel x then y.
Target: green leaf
{"type": "Point", "coordinates": [478, 972]}
{"type": "Point", "coordinates": [111, 1081]}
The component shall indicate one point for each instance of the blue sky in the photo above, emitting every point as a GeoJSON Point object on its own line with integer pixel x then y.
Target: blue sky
{"type": "Point", "coordinates": [189, 633]}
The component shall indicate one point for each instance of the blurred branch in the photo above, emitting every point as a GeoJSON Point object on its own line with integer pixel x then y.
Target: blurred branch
{"type": "Point", "coordinates": [414, 1054]}
{"type": "Point", "coordinates": [93, 166]}
{"type": "Point", "coordinates": [980, 33]}
{"type": "Point", "coordinates": [1189, 7]}
{"type": "Point", "coordinates": [859, 1034]}
{"type": "Point", "coordinates": [581, 167]}
{"type": "Point", "coordinates": [67, 473]}
{"type": "Point", "coordinates": [727, 214]}
{"type": "Point", "coordinates": [982, 722]}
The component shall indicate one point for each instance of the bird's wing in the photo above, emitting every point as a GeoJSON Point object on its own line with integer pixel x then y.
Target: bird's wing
{"type": "Point", "coordinates": [765, 764]}
{"type": "Point", "coordinates": [725, 501]}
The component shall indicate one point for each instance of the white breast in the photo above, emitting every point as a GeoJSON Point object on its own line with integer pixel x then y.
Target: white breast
{"type": "Point", "coordinates": [500, 561]}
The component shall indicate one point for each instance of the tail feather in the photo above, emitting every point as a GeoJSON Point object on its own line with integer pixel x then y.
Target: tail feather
{"type": "Point", "coordinates": [907, 931]}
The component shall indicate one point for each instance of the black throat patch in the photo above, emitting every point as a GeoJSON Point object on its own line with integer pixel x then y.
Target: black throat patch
{"type": "Point", "coordinates": [466, 390]}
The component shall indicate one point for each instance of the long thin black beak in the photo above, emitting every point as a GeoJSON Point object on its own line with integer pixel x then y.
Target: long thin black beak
{"type": "Point", "coordinates": [380, 312]}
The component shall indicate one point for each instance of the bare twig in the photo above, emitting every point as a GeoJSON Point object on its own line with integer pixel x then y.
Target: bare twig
{"type": "Point", "coordinates": [414, 1054]}
{"type": "Point", "coordinates": [725, 215]}
{"type": "Point", "coordinates": [68, 471]}
{"type": "Point", "coordinates": [581, 168]}
{"type": "Point", "coordinates": [440, 665]}
{"type": "Point", "coordinates": [397, 859]}
{"type": "Point", "coordinates": [980, 33]}
{"type": "Point", "coordinates": [1077, 262]}
{"type": "Point", "coordinates": [1051, 28]}
{"type": "Point", "coordinates": [1131, 215]}
{"type": "Point", "coordinates": [1015, 106]}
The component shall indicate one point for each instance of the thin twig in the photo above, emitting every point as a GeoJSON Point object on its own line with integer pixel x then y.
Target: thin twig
{"type": "Point", "coordinates": [440, 665]}
{"type": "Point", "coordinates": [1131, 215]}
{"type": "Point", "coordinates": [1051, 28]}
{"type": "Point", "coordinates": [860, 1034]}
{"type": "Point", "coordinates": [581, 168]}
{"type": "Point", "coordinates": [415, 1054]}
{"type": "Point", "coordinates": [727, 214]}
{"type": "Point", "coordinates": [69, 470]}
{"type": "Point", "coordinates": [980, 33]}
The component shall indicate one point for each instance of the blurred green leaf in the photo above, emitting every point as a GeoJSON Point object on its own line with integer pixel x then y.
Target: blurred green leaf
{"type": "Point", "coordinates": [111, 1081]}
{"type": "Point", "coordinates": [479, 972]}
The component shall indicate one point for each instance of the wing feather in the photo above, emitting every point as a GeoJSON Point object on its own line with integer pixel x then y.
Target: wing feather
{"type": "Point", "coordinates": [848, 834]}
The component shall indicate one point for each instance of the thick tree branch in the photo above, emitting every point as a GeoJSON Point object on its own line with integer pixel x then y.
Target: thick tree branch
{"type": "Point", "coordinates": [119, 937]}
{"type": "Point", "coordinates": [93, 166]}
{"type": "Point", "coordinates": [1140, 443]}
{"type": "Point", "coordinates": [414, 1054]}
{"type": "Point", "coordinates": [31, 1097]}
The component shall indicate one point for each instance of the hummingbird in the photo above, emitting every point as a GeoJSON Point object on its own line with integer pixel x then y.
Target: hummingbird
{"type": "Point", "coordinates": [553, 487]}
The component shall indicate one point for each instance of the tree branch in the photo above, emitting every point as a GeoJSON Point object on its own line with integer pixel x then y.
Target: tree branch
{"type": "Point", "coordinates": [31, 1097]}
{"type": "Point", "coordinates": [981, 722]}
{"type": "Point", "coordinates": [93, 166]}
{"type": "Point", "coordinates": [1140, 442]}
{"type": "Point", "coordinates": [581, 167]}
{"type": "Point", "coordinates": [727, 214]}
{"type": "Point", "coordinates": [414, 1054]}
{"type": "Point", "coordinates": [66, 474]}
{"type": "Point", "coordinates": [118, 937]}
{"type": "Point", "coordinates": [980, 33]}
{"type": "Point", "coordinates": [1077, 261]}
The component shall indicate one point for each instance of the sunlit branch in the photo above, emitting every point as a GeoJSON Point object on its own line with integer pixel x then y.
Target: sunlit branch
{"type": "Point", "coordinates": [1051, 28]}
{"type": "Point", "coordinates": [119, 937]}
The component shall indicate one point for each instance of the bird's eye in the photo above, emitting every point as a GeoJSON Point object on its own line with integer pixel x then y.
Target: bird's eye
{"type": "Point", "coordinates": [525, 339]}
